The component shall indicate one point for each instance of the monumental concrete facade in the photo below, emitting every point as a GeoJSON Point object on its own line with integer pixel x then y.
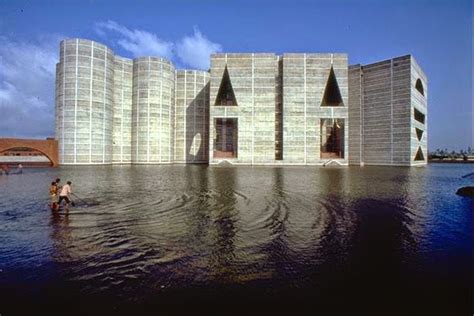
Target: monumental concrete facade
{"type": "Point", "coordinates": [249, 109]}
{"type": "Point", "coordinates": [388, 113]}
{"type": "Point", "coordinates": [308, 114]}
{"type": "Point", "coordinates": [242, 110]}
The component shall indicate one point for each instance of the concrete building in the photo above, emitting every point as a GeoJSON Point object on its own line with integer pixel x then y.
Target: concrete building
{"type": "Point", "coordinates": [242, 114]}
{"type": "Point", "coordinates": [252, 108]}
{"type": "Point", "coordinates": [388, 113]}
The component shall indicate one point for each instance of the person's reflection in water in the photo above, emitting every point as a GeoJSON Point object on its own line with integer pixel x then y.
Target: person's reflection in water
{"type": "Point", "coordinates": [60, 235]}
{"type": "Point", "coordinates": [223, 230]}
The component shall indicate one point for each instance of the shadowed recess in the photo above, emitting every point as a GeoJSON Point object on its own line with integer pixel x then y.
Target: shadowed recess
{"type": "Point", "coordinates": [332, 94]}
{"type": "Point", "coordinates": [420, 117]}
{"type": "Point", "coordinates": [419, 87]}
{"type": "Point", "coordinates": [226, 95]}
{"type": "Point", "coordinates": [419, 155]}
{"type": "Point", "coordinates": [419, 133]}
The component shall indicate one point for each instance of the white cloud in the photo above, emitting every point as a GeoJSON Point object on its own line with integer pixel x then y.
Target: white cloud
{"type": "Point", "coordinates": [138, 42]}
{"type": "Point", "coordinates": [195, 51]}
{"type": "Point", "coordinates": [192, 51]}
{"type": "Point", "coordinates": [27, 74]}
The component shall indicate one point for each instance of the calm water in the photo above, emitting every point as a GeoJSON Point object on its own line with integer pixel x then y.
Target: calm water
{"type": "Point", "coordinates": [166, 238]}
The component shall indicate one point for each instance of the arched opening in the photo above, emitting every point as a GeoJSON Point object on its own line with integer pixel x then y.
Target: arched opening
{"type": "Point", "coordinates": [26, 156]}
{"type": "Point", "coordinates": [419, 87]}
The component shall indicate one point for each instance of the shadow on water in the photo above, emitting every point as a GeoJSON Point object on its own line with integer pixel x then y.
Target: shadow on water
{"type": "Point", "coordinates": [240, 240]}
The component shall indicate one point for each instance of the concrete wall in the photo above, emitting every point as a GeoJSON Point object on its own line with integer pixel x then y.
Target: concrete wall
{"type": "Point", "coordinates": [355, 115]}
{"type": "Point", "coordinates": [253, 81]}
{"type": "Point", "coordinates": [122, 117]}
{"type": "Point", "coordinates": [383, 97]}
{"type": "Point", "coordinates": [153, 110]}
{"type": "Point", "coordinates": [420, 102]}
{"type": "Point", "coordinates": [84, 102]}
{"type": "Point", "coordinates": [191, 131]}
{"type": "Point", "coordinates": [304, 82]}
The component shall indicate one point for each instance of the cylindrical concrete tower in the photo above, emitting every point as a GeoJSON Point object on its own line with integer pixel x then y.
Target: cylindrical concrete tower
{"type": "Point", "coordinates": [122, 134]}
{"type": "Point", "coordinates": [153, 110]}
{"type": "Point", "coordinates": [84, 104]}
{"type": "Point", "coordinates": [192, 116]}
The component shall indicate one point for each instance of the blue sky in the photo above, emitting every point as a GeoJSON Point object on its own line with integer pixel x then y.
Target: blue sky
{"type": "Point", "coordinates": [438, 34]}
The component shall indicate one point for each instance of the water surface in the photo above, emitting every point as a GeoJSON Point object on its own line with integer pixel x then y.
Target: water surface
{"type": "Point", "coordinates": [238, 239]}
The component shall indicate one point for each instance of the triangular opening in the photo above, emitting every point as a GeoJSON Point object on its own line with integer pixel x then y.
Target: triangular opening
{"type": "Point", "coordinates": [419, 155]}
{"type": "Point", "coordinates": [332, 94]}
{"type": "Point", "coordinates": [225, 95]}
{"type": "Point", "coordinates": [419, 133]}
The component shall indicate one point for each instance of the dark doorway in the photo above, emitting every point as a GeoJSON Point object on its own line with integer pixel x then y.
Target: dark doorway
{"type": "Point", "coordinates": [225, 142]}
{"type": "Point", "coordinates": [332, 138]}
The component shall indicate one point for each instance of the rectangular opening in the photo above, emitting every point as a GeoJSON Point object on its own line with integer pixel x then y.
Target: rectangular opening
{"type": "Point", "coordinates": [420, 117]}
{"type": "Point", "coordinates": [332, 138]}
{"type": "Point", "coordinates": [225, 141]}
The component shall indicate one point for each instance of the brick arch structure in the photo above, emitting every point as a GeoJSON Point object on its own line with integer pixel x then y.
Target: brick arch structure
{"type": "Point", "coordinates": [48, 147]}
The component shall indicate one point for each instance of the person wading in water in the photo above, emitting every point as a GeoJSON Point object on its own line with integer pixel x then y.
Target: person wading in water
{"type": "Point", "coordinates": [64, 195]}
{"type": "Point", "coordinates": [53, 192]}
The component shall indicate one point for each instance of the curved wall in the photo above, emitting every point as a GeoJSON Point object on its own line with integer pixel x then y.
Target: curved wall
{"type": "Point", "coordinates": [84, 104]}
{"type": "Point", "coordinates": [122, 131]}
{"type": "Point", "coordinates": [153, 110]}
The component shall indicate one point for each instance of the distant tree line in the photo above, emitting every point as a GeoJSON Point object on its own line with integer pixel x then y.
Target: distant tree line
{"type": "Point", "coordinates": [446, 154]}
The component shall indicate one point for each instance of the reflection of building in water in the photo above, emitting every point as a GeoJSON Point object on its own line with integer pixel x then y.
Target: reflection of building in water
{"type": "Point", "coordinates": [222, 231]}
{"type": "Point", "coordinates": [250, 108]}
